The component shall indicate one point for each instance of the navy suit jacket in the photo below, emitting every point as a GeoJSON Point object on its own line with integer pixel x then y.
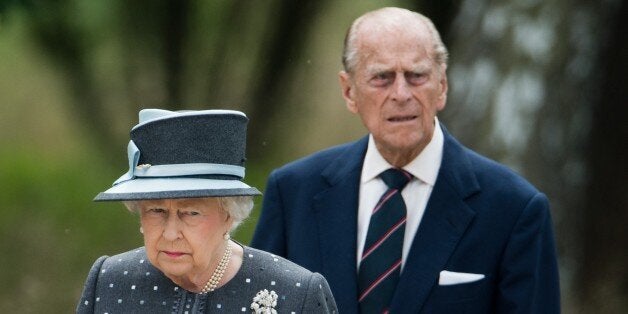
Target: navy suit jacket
{"type": "Point", "coordinates": [481, 218]}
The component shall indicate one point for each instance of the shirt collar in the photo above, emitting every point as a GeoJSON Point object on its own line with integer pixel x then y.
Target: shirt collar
{"type": "Point", "coordinates": [424, 167]}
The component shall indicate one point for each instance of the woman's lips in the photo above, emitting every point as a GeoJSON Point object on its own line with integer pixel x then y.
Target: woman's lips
{"type": "Point", "coordinates": [173, 254]}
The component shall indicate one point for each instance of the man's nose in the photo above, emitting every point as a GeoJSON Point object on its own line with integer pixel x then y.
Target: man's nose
{"type": "Point", "coordinates": [401, 89]}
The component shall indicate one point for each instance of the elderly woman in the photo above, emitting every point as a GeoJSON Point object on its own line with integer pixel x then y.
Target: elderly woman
{"type": "Point", "coordinates": [184, 182]}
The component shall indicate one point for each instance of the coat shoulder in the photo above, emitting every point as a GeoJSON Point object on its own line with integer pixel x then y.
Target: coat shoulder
{"type": "Point", "coordinates": [133, 262]}
{"type": "Point", "coordinates": [314, 163]}
{"type": "Point", "coordinates": [499, 176]}
{"type": "Point", "coordinates": [268, 264]}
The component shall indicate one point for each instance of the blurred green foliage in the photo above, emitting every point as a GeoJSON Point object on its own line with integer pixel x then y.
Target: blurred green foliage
{"type": "Point", "coordinates": [51, 231]}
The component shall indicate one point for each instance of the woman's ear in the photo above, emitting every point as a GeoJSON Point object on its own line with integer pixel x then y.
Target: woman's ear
{"type": "Point", "coordinates": [229, 222]}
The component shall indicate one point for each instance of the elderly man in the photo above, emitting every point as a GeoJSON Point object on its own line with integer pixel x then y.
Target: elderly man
{"type": "Point", "coordinates": [406, 219]}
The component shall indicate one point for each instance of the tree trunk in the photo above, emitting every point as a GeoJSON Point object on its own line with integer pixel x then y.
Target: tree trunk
{"type": "Point", "coordinates": [603, 275]}
{"type": "Point", "coordinates": [285, 41]}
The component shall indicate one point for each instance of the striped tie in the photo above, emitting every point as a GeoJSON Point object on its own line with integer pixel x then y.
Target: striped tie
{"type": "Point", "coordinates": [381, 259]}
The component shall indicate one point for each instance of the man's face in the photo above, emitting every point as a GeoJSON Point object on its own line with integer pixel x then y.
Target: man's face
{"type": "Point", "coordinates": [396, 88]}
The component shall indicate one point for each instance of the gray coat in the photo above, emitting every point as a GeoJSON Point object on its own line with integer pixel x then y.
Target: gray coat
{"type": "Point", "coordinates": [128, 283]}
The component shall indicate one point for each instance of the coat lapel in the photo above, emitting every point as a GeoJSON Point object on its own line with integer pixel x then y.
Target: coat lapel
{"type": "Point", "coordinates": [336, 215]}
{"type": "Point", "coordinates": [445, 220]}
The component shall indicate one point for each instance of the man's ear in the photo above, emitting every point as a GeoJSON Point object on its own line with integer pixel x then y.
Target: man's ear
{"type": "Point", "coordinates": [444, 87]}
{"type": "Point", "coordinates": [346, 85]}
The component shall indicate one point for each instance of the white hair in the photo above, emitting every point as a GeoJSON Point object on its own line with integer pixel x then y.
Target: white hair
{"type": "Point", "coordinates": [237, 207]}
{"type": "Point", "coordinates": [389, 18]}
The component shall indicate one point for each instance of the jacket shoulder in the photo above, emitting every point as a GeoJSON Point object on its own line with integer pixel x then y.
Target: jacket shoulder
{"type": "Point", "coordinates": [499, 176]}
{"type": "Point", "coordinates": [316, 162]}
{"type": "Point", "coordinates": [131, 261]}
{"type": "Point", "coordinates": [122, 280]}
{"type": "Point", "coordinates": [275, 265]}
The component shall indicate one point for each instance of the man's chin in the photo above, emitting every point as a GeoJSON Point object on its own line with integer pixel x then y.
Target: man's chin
{"type": "Point", "coordinates": [404, 141]}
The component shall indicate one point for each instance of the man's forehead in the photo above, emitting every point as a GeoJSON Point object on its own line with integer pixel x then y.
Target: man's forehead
{"type": "Point", "coordinates": [391, 24]}
{"type": "Point", "coordinates": [390, 42]}
{"type": "Point", "coordinates": [385, 58]}
{"type": "Point", "coordinates": [380, 35]}
{"type": "Point", "coordinates": [419, 67]}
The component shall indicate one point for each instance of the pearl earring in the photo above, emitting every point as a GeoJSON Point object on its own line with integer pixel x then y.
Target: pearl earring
{"type": "Point", "coordinates": [226, 236]}
{"type": "Point", "coordinates": [141, 230]}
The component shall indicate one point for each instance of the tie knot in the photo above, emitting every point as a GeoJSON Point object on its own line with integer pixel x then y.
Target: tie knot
{"type": "Point", "coordinates": [396, 178]}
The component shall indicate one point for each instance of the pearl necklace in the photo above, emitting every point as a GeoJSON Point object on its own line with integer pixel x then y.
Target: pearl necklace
{"type": "Point", "coordinates": [218, 272]}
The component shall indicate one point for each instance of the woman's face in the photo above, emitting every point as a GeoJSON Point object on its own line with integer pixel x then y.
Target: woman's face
{"type": "Point", "coordinates": [184, 237]}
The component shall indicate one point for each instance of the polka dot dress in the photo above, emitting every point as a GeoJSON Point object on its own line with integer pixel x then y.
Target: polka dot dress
{"type": "Point", "coordinates": [129, 283]}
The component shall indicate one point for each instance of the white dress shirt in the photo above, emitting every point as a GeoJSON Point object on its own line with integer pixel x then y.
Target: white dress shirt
{"type": "Point", "coordinates": [424, 168]}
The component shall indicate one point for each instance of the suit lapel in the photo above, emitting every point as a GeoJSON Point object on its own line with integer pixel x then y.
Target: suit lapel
{"type": "Point", "coordinates": [443, 224]}
{"type": "Point", "coordinates": [336, 215]}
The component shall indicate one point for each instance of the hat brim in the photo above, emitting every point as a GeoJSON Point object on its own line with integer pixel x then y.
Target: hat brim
{"type": "Point", "coordinates": [165, 188]}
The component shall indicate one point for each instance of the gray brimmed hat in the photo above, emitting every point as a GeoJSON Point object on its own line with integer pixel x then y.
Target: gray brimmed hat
{"type": "Point", "coordinates": [184, 154]}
